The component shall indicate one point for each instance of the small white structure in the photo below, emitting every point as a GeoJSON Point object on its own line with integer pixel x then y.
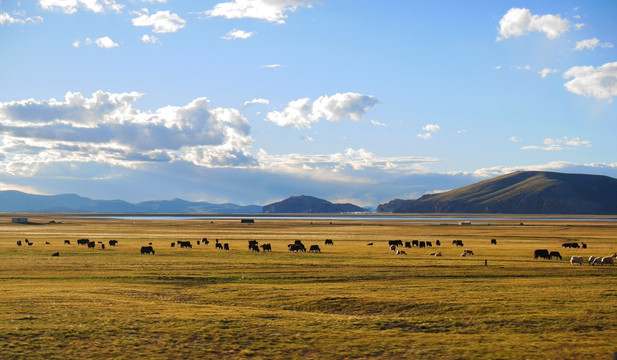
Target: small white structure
{"type": "Point", "coordinates": [19, 220]}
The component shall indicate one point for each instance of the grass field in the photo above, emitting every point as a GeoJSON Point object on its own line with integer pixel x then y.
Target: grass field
{"type": "Point", "coordinates": [349, 301]}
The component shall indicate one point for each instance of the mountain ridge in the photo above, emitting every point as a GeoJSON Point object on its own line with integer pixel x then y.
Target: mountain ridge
{"type": "Point", "coordinates": [525, 192]}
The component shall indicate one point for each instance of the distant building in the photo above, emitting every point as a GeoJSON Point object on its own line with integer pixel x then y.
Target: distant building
{"type": "Point", "coordinates": [19, 220]}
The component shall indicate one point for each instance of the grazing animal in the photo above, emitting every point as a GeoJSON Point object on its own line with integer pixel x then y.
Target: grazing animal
{"type": "Point", "coordinates": [83, 241]}
{"type": "Point", "coordinates": [493, 241]}
{"type": "Point", "coordinates": [296, 247]}
{"type": "Point", "coordinates": [570, 245]}
{"type": "Point", "coordinates": [253, 244]}
{"type": "Point", "coordinates": [30, 243]}
{"type": "Point", "coordinates": [584, 245]}
{"type": "Point", "coordinates": [438, 243]}
{"type": "Point", "coordinates": [429, 244]}
{"type": "Point", "coordinates": [329, 242]}
{"type": "Point", "coordinates": [400, 252]}
{"type": "Point", "coordinates": [576, 260]}
{"type": "Point", "coordinates": [414, 242]}
{"type": "Point", "coordinates": [266, 247]}
{"type": "Point", "coordinates": [596, 261]}
{"type": "Point", "coordinates": [225, 246]}
{"type": "Point", "coordinates": [369, 244]}
{"type": "Point", "coordinates": [314, 248]}
{"type": "Point", "coordinates": [67, 242]}
{"type": "Point", "coordinates": [459, 243]}
{"type": "Point", "coordinates": [91, 245]}
{"type": "Point", "coordinates": [435, 254]}
{"type": "Point", "coordinates": [55, 254]}
{"type": "Point", "coordinates": [205, 241]}
{"type": "Point", "coordinates": [438, 254]}
{"type": "Point", "coordinates": [146, 250]}
{"type": "Point", "coordinates": [198, 243]}
{"type": "Point", "coordinates": [408, 244]}
{"type": "Point", "coordinates": [543, 253]}
{"type": "Point", "coordinates": [18, 242]}
{"type": "Point", "coordinates": [468, 252]}
{"type": "Point", "coordinates": [607, 260]}
{"type": "Point", "coordinates": [47, 243]}
{"type": "Point", "coordinates": [421, 244]}
{"type": "Point", "coordinates": [103, 246]}
{"type": "Point", "coordinates": [392, 247]}
{"type": "Point", "coordinates": [395, 242]}
{"type": "Point", "coordinates": [184, 244]}
{"type": "Point", "coordinates": [591, 259]}
{"type": "Point", "coordinates": [173, 244]}
{"type": "Point", "coordinates": [113, 242]}
{"type": "Point", "coordinates": [255, 247]}
{"type": "Point", "coordinates": [555, 254]}
{"type": "Point", "coordinates": [218, 246]}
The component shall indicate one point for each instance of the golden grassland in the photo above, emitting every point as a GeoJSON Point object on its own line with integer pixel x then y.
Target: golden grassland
{"type": "Point", "coordinates": [350, 301]}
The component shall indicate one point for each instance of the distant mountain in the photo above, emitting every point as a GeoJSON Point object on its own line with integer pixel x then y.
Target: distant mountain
{"type": "Point", "coordinates": [15, 201]}
{"type": "Point", "coordinates": [526, 192]}
{"type": "Point", "coordinates": [308, 204]}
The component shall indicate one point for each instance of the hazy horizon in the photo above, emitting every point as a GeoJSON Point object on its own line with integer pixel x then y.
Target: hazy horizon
{"type": "Point", "coordinates": [253, 101]}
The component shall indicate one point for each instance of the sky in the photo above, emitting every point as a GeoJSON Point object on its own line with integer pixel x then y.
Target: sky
{"type": "Point", "coordinates": [253, 101]}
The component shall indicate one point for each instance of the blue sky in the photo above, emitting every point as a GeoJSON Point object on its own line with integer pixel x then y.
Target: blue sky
{"type": "Point", "coordinates": [252, 101]}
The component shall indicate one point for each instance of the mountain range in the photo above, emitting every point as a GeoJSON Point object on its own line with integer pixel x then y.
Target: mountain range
{"type": "Point", "coordinates": [525, 192]}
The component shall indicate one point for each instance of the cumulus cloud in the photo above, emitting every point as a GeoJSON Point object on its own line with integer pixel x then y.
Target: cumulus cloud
{"type": "Point", "coordinates": [18, 18]}
{"type": "Point", "coordinates": [430, 130]}
{"type": "Point", "coordinates": [341, 166]}
{"type": "Point", "coordinates": [268, 10]}
{"type": "Point", "coordinates": [302, 113]}
{"type": "Point", "coordinates": [147, 39]}
{"type": "Point", "coordinates": [103, 42]}
{"type": "Point", "coordinates": [518, 22]}
{"type": "Point", "coordinates": [546, 71]}
{"type": "Point", "coordinates": [162, 21]}
{"type": "Point", "coordinates": [558, 144]}
{"type": "Point", "coordinates": [71, 6]}
{"type": "Point", "coordinates": [236, 34]}
{"type": "Point", "coordinates": [105, 128]}
{"type": "Point", "coordinates": [600, 82]}
{"type": "Point", "coordinates": [257, 101]}
{"type": "Point", "coordinates": [591, 44]}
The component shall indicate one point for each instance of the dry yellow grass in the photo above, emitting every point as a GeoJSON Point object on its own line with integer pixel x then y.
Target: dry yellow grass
{"type": "Point", "coordinates": [350, 301]}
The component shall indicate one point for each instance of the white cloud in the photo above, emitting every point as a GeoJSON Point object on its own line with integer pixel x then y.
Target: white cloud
{"type": "Point", "coordinates": [518, 22]}
{"type": "Point", "coordinates": [546, 71]}
{"type": "Point", "coordinates": [461, 131]}
{"type": "Point", "coordinates": [551, 166]}
{"type": "Point", "coordinates": [271, 66]}
{"type": "Point", "coordinates": [377, 123]}
{"type": "Point", "coordinates": [147, 39]}
{"type": "Point", "coordinates": [268, 10]}
{"type": "Point", "coordinates": [519, 67]}
{"type": "Point", "coordinates": [106, 43]}
{"type": "Point", "coordinates": [591, 44]}
{"type": "Point", "coordinates": [558, 144]}
{"type": "Point", "coordinates": [71, 6]}
{"type": "Point", "coordinates": [600, 82]}
{"type": "Point", "coordinates": [308, 138]}
{"type": "Point", "coordinates": [257, 101]}
{"type": "Point", "coordinates": [425, 136]}
{"type": "Point", "coordinates": [341, 166]}
{"type": "Point", "coordinates": [579, 26]}
{"type": "Point", "coordinates": [431, 128]}
{"type": "Point", "coordinates": [498, 67]}
{"type": "Point", "coordinates": [106, 129]}
{"type": "Point", "coordinates": [302, 113]}
{"type": "Point", "coordinates": [515, 139]}
{"type": "Point", "coordinates": [5, 18]}
{"type": "Point", "coordinates": [103, 42]}
{"type": "Point", "coordinates": [237, 34]}
{"type": "Point", "coordinates": [162, 22]}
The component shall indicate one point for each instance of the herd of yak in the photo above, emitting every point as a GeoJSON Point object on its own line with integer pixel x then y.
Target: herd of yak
{"type": "Point", "coordinates": [298, 246]}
